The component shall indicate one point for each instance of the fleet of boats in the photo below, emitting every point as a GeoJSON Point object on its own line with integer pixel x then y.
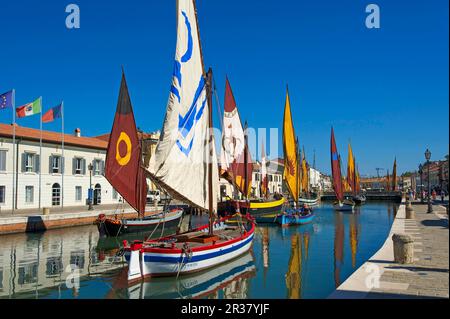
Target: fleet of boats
{"type": "Point", "coordinates": [185, 166]}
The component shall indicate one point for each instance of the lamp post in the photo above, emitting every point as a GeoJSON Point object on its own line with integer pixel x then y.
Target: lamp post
{"type": "Point", "coordinates": [427, 157]}
{"type": "Point", "coordinates": [421, 186]}
{"type": "Point", "coordinates": [90, 168]}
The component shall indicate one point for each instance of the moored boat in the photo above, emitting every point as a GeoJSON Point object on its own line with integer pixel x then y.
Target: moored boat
{"type": "Point", "coordinates": [253, 207]}
{"type": "Point", "coordinates": [345, 205]}
{"type": "Point", "coordinates": [359, 199]}
{"type": "Point", "coordinates": [117, 227]}
{"type": "Point", "coordinates": [185, 165]}
{"type": "Point", "coordinates": [313, 200]}
{"type": "Point", "coordinates": [189, 252]}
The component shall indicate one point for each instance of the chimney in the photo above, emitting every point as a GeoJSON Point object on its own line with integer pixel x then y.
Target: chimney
{"type": "Point", "coordinates": [77, 132]}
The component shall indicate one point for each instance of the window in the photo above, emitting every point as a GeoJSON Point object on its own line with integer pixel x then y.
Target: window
{"type": "Point", "coordinates": [29, 194]}
{"type": "Point", "coordinates": [56, 194]}
{"type": "Point", "coordinates": [78, 193]}
{"type": "Point", "coordinates": [2, 194]}
{"type": "Point", "coordinates": [98, 167]}
{"type": "Point", "coordinates": [79, 166]}
{"type": "Point", "coordinates": [29, 161]}
{"type": "Point", "coordinates": [114, 194]}
{"type": "Point", "coordinates": [55, 164]}
{"type": "Point", "coordinates": [2, 160]}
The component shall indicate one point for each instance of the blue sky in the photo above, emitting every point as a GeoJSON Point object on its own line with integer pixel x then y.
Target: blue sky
{"type": "Point", "coordinates": [385, 89]}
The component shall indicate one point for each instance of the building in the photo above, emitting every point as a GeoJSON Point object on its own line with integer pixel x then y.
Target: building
{"type": "Point", "coordinates": [43, 178]}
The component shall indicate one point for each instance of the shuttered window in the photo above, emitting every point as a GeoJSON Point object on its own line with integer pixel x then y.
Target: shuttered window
{"type": "Point", "coordinates": [2, 160]}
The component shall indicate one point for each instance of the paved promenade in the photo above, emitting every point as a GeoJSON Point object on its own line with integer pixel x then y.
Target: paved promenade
{"type": "Point", "coordinates": [427, 277]}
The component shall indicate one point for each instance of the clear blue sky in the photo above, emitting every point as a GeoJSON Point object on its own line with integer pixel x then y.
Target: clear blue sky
{"type": "Point", "coordinates": [385, 89]}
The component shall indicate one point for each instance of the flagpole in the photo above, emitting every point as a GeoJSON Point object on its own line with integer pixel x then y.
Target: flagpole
{"type": "Point", "coordinates": [63, 159]}
{"type": "Point", "coordinates": [14, 145]}
{"type": "Point", "coordinates": [40, 156]}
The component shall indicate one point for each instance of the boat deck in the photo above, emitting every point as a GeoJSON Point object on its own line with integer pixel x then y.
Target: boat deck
{"type": "Point", "coordinates": [199, 238]}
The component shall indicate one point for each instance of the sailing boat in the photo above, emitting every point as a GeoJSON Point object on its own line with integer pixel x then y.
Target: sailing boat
{"type": "Point", "coordinates": [297, 215]}
{"type": "Point", "coordinates": [185, 165]}
{"type": "Point", "coordinates": [340, 204]}
{"type": "Point", "coordinates": [352, 178]}
{"type": "Point", "coordinates": [124, 172]}
{"type": "Point", "coordinates": [308, 197]}
{"type": "Point", "coordinates": [236, 164]}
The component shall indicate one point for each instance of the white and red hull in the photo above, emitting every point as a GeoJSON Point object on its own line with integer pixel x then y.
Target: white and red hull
{"type": "Point", "coordinates": [147, 261]}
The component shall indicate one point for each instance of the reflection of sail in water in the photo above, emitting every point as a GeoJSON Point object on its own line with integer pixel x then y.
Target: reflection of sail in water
{"type": "Point", "coordinates": [231, 278]}
{"type": "Point", "coordinates": [265, 248]}
{"type": "Point", "coordinates": [294, 273]}
{"type": "Point", "coordinates": [354, 237]}
{"type": "Point", "coordinates": [338, 248]}
{"type": "Point", "coordinates": [306, 243]}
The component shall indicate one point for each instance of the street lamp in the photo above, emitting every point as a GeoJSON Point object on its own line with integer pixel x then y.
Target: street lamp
{"type": "Point", "coordinates": [421, 185]}
{"type": "Point", "coordinates": [91, 195]}
{"type": "Point", "coordinates": [427, 157]}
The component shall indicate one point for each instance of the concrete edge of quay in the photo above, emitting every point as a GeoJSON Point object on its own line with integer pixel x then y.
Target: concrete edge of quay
{"type": "Point", "coordinates": [38, 222]}
{"type": "Point", "coordinates": [358, 285]}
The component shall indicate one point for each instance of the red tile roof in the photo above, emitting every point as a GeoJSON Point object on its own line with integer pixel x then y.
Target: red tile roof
{"type": "Point", "coordinates": [53, 137]}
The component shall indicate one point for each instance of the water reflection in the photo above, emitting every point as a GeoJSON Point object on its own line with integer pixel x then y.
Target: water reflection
{"type": "Point", "coordinates": [35, 262]}
{"type": "Point", "coordinates": [229, 280]}
{"type": "Point", "coordinates": [307, 261]}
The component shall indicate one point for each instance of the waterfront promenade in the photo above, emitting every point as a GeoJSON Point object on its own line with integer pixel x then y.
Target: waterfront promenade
{"type": "Point", "coordinates": [31, 220]}
{"type": "Point", "coordinates": [426, 277]}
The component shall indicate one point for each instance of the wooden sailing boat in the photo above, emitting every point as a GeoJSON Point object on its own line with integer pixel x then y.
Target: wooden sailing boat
{"type": "Point", "coordinates": [236, 165]}
{"type": "Point", "coordinates": [292, 215]}
{"type": "Point", "coordinates": [307, 197]}
{"type": "Point", "coordinates": [124, 172]}
{"type": "Point", "coordinates": [341, 204]}
{"type": "Point", "coordinates": [185, 165]}
{"type": "Point", "coordinates": [353, 178]}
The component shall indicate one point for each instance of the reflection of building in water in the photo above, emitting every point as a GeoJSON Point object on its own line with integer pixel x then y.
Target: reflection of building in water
{"type": "Point", "coordinates": [294, 273]}
{"type": "Point", "coordinates": [354, 234]}
{"type": "Point", "coordinates": [33, 262]}
{"type": "Point", "coordinates": [338, 248]}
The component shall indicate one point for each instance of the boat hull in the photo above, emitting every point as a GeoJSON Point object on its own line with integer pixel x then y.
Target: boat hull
{"type": "Point", "coordinates": [109, 227]}
{"type": "Point", "coordinates": [253, 208]}
{"type": "Point", "coordinates": [359, 200]}
{"type": "Point", "coordinates": [154, 262]}
{"type": "Point", "coordinates": [343, 206]}
{"type": "Point", "coordinates": [293, 219]}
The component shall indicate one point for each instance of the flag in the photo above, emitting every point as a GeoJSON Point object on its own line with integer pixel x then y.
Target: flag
{"type": "Point", "coordinates": [53, 113]}
{"type": "Point", "coordinates": [123, 156]}
{"type": "Point", "coordinates": [29, 109]}
{"type": "Point", "coordinates": [6, 100]}
{"type": "Point", "coordinates": [290, 151]}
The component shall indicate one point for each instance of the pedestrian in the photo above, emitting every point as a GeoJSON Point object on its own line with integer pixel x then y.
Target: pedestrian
{"type": "Point", "coordinates": [442, 195]}
{"type": "Point", "coordinates": [433, 194]}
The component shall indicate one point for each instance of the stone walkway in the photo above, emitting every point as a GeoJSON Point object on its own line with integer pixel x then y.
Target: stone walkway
{"type": "Point", "coordinates": [427, 277]}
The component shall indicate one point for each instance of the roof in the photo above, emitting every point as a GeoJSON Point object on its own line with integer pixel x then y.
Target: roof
{"type": "Point", "coordinates": [30, 134]}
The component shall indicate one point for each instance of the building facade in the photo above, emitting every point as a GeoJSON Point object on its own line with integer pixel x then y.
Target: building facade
{"type": "Point", "coordinates": [43, 177]}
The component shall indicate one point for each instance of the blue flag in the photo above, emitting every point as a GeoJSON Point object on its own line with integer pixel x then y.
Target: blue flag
{"type": "Point", "coordinates": [6, 100]}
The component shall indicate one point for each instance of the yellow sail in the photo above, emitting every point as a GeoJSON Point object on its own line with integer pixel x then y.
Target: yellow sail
{"type": "Point", "coordinates": [290, 151]}
{"type": "Point", "coordinates": [304, 174]}
{"type": "Point", "coordinates": [350, 169]}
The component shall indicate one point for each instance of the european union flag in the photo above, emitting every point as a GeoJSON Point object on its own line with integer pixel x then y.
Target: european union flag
{"type": "Point", "coordinates": [6, 100]}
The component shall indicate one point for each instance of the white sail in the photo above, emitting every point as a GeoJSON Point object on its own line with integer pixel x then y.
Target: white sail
{"type": "Point", "coordinates": [180, 162]}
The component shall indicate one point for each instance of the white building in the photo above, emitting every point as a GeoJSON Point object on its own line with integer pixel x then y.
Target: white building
{"type": "Point", "coordinates": [69, 176]}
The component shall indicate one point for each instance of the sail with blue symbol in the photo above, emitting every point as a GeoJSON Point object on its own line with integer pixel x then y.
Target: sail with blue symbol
{"type": "Point", "coordinates": [180, 162]}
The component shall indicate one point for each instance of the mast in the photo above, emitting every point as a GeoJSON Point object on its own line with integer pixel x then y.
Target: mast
{"type": "Point", "coordinates": [246, 186]}
{"type": "Point", "coordinates": [211, 149]}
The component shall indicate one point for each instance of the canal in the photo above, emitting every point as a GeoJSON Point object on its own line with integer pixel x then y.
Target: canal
{"type": "Point", "coordinates": [307, 261]}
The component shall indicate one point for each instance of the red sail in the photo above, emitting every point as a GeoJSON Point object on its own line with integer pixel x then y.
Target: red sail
{"type": "Point", "coordinates": [336, 169]}
{"type": "Point", "coordinates": [123, 157]}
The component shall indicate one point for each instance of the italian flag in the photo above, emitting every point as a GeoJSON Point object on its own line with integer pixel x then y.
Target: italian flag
{"type": "Point", "coordinates": [29, 109]}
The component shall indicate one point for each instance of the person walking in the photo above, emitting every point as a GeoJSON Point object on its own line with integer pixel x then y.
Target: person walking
{"type": "Point", "coordinates": [433, 194]}
{"type": "Point", "coordinates": [442, 195]}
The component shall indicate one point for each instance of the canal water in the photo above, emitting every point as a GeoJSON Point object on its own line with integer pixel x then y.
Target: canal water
{"type": "Point", "coordinates": [307, 261]}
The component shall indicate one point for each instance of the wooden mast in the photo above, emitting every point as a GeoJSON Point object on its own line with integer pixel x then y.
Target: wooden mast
{"type": "Point", "coordinates": [211, 150]}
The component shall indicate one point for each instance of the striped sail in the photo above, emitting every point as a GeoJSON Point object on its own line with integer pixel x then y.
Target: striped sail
{"type": "Point", "coordinates": [180, 162]}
